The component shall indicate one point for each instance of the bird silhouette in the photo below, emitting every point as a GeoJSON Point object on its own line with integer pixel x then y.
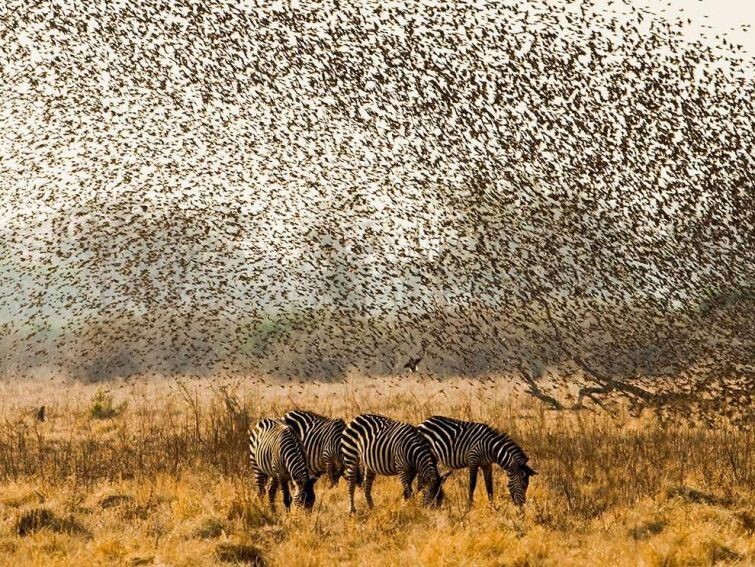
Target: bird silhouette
{"type": "Point", "coordinates": [413, 363]}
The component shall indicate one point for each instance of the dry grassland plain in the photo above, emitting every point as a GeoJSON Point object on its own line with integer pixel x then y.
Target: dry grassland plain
{"type": "Point", "coordinates": [153, 471]}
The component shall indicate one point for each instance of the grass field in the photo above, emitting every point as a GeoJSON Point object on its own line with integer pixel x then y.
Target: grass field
{"type": "Point", "coordinates": [154, 472]}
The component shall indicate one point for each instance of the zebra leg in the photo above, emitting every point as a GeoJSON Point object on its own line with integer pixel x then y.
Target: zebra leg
{"type": "Point", "coordinates": [472, 484]}
{"type": "Point", "coordinates": [272, 490]}
{"type": "Point", "coordinates": [487, 475]}
{"type": "Point", "coordinates": [332, 472]}
{"type": "Point", "coordinates": [260, 479]}
{"type": "Point", "coordinates": [407, 477]}
{"type": "Point", "coordinates": [369, 478]}
{"type": "Point", "coordinates": [286, 494]}
{"type": "Point", "coordinates": [351, 478]}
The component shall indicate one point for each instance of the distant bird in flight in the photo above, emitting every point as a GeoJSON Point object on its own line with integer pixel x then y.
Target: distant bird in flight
{"type": "Point", "coordinates": [413, 363]}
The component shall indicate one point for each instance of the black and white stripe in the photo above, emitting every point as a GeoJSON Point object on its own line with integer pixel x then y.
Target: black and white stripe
{"type": "Point", "coordinates": [321, 439]}
{"type": "Point", "coordinates": [276, 453]}
{"type": "Point", "coordinates": [376, 445]}
{"type": "Point", "coordinates": [465, 444]}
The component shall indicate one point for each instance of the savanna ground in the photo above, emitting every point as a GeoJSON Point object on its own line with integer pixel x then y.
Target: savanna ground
{"type": "Point", "coordinates": [154, 472]}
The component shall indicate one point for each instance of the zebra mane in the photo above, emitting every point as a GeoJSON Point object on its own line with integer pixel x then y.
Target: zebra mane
{"type": "Point", "coordinates": [378, 416]}
{"type": "Point", "coordinates": [308, 413]}
{"type": "Point", "coordinates": [383, 419]}
{"type": "Point", "coordinates": [517, 453]}
{"type": "Point", "coordinates": [316, 415]}
{"type": "Point", "coordinates": [268, 422]}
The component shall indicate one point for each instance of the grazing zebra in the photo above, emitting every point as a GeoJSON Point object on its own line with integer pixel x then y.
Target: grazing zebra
{"type": "Point", "coordinates": [321, 438]}
{"type": "Point", "coordinates": [374, 444]}
{"type": "Point", "coordinates": [276, 453]}
{"type": "Point", "coordinates": [461, 444]}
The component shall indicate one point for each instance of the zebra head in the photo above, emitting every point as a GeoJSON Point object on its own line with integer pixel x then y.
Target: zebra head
{"type": "Point", "coordinates": [305, 494]}
{"type": "Point", "coordinates": [519, 480]}
{"type": "Point", "coordinates": [335, 473]}
{"type": "Point", "coordinates": [434, 493]}
{"type": "Point", "coordinates": [336, 466]}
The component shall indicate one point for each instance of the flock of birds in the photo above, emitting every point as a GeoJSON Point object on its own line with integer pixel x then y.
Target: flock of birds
{"type": "Point", "coordinates": [531, 187]}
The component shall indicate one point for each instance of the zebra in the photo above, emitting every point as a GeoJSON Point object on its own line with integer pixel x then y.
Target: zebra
{"type": "Point", "coordinates": [375, 444]}
{"type": "Point", "coordinates": [321, 439]}
{"type": "Point", "coordinates": [276, 453]}
{"type": "Point", "coordinates": [461, 444]}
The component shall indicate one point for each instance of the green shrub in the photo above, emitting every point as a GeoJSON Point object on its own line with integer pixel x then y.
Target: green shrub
{"type": "Point", "coordinates": [103, 407]}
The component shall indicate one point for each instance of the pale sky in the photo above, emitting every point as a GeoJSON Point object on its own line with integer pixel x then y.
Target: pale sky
{"type": "Point", "coordinates": [225, 181]}
{"type": "Point", "coordinates": [724, 16]}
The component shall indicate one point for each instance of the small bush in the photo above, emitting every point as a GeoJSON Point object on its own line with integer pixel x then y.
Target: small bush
{"type": "Point", "coordinates": [252, 514]}
{"type": "Point", "coordinates": [102, 406]}
{"type": "Point", "coordinates": [647, 529]}
{"type": "Point", "coordinates": [719, 553]}
{"type": "Point", "coordinates": [209, 528]}
{"type": "Point", "coordinates": [113, 500]}
{"type": "Point", "coordinates": [239, 553]}
{"type": "Point", "coordinates": [696, 496]}
{"type": "Point", "coordinates": [138, 560]}
{"type": "Point", "coordinates": [37, 519]}
{"type": "Point", "coordinates": [747, 519]}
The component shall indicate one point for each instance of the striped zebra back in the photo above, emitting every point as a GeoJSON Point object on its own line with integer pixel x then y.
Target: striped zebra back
{"type": "Point", "coordinates": [459, 444]}
{"type": "Point", "coordinates": [321, 438]}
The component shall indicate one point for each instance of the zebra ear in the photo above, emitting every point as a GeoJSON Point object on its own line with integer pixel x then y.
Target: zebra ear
{"type": "Point", "coordinates": [529, 471]}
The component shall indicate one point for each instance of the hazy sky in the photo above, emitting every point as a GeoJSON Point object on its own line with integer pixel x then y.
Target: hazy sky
{"type": "Point", "coordinates": [725, 17]}
{"type": "Point", "coordinates": [721, 15]}
{"type": "Point", "coordinates": [393, 163]}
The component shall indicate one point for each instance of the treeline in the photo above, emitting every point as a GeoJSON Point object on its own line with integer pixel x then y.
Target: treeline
{"type": "Point", "coordinates": [640, 340]}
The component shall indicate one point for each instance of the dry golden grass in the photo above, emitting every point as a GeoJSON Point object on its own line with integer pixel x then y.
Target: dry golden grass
{"type": "Point", "coordinates": [154, 471]}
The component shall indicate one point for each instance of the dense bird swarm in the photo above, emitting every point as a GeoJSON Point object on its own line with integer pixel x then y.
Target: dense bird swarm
{"type": "Point", "coordinates": [303, 188]}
